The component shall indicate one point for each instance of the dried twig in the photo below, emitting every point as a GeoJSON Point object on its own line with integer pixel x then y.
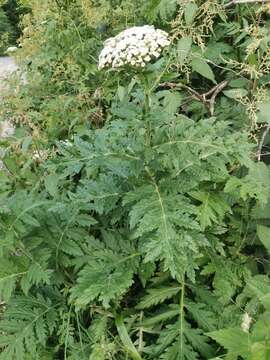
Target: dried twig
{"type": "Point", "coordinates": [209, 104]}
{"type": "Point", "coordinates": [171, 85]}
{"type": "Point", "coordinates": [235, 2]}
{"type": "Point", "coordinates": [259, 153]}
{"type": "Point", "coordinates": [194, 93]}
{"type": "Point", "coordinates": [217, 90]}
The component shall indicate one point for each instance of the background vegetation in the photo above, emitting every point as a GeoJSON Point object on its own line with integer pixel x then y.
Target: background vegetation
{"type": "Point", "coordinates": [10, 13]}
{"type": "Point", "coordinates": [134, 233]}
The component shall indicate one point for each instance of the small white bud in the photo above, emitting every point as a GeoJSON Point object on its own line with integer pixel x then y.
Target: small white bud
{"type": "Point", "coordinates": [147, 58]}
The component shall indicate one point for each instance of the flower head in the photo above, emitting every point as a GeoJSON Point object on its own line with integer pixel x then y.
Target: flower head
{"type": "Point", "coordinates": [40, 155]}
{"type": "Point", "coordinates": [135, 46]}
{"type": "Point", "coordinates": [246, 322]}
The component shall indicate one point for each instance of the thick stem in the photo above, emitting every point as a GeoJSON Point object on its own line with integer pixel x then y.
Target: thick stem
{"type": "Point", "coordinates": [146, 107]}
{"type": "Point", "coordinates": [182, 298]}
{"type": "Point", "coordinates": [146, 88]}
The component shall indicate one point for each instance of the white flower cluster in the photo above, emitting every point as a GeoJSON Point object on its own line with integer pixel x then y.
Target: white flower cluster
{"type": "Point", "coordinates": [135, 46]}
{"type": "Point", "coordinates": [66, 143]}
{"type": "Point", "coordinates": [246, 322]}
{"type": "Point", "coordinates": [40, 155]}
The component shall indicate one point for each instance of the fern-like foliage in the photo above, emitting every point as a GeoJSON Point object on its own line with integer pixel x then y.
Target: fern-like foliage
{"type": "Point", "coordinates": [158, 295]}
{"type": "Point", "coordinates": [107, 276]}
{"type": "Point", "coordinates": [190, 343]}
{"type": "Point", "coordinates": [134, 205]}
{"type": "Point", "coordinates": [178, 339]}
{"type": "Point", "coordinates": [167, 225]}
{"type": "Point", "coordinates": [26, 326]}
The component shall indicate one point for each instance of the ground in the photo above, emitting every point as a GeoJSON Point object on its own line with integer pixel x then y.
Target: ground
{"type": "Point", "coordinates": [7, 65]}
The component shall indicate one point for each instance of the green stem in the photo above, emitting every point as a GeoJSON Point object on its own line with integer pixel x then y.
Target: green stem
{"type": "Point", "coordinates": [146, 102]}
{"type": "Point", "coordinates": [182, 298]}
{"type": "Point", "coordinates": [146, 107]}
{"type": "Point", "coordinates": [147, 118]}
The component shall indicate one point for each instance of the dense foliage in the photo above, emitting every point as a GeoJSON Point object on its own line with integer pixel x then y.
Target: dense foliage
{"type": "Point", "coordinates": [11, 12]}
{"type": "Point", "coordinates": [5, 30]}
{"type": "Point", "coordinates": [135, 204]}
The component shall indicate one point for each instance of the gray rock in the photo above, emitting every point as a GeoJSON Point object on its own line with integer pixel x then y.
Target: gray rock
{"type": "Point", "coordinates": [7, 66]}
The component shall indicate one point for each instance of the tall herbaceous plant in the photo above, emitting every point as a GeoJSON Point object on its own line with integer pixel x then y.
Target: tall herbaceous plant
{"type": "Point", "coordinates": [134, 197]}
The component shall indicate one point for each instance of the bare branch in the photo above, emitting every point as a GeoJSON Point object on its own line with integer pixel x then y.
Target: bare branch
{"type": "Point", "coordinates": [259, 153]}
{"type": "Point", "coordinates": [209, 104]}
{"type": "Point", "coordinates": [194, 93]}
{"type": "Point", "coordinates": [214, 89]}
{"type": "Point", "coordinates": [235, 2]}
{"type": "Point", "coordinates": [218, 89]}
{"type": "Point", "coordinates": [179, 85]}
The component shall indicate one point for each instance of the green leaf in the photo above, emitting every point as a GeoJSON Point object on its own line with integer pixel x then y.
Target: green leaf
{"type": "Point", "coordinates": [180, 341]}
{"type": "Point", "coordinates": [260, 351]}
{"type": "Point", "coordinates": [172, 102]}
{"type": "Point", "coordinates": [235, 340]}
{"type": "Point", "coordinates": [30, 220]}
{"type": "Point", "coordinates": [26, 143]}
{"type": "Point", "coordinates": [163, 8]}
{"type": "Point", "coordinates": [239, 83]}
{"type": "Point", "coordinates": [37, 273]}
{"type": "Point", "coordinates": [106, 276]}
{"type": "Point", "coordinates": [98, 353]}
{"type": "Point", "coordinates": [264, 112]}
{"type": "Point", "coordinates": [260, 330]}
{"type": "Point", "coordinates": [205, 319]}
{"type": "Point", "coordinates": [152, 217]}
{"type": "Point", "coordinates": [216, 51]}
{"type": "Point", "coordinates": [263, 233]}
{"type": "Point", "coordinates": [121, 92]}
{"type": "Point", "coordinates": [172, 312]}
{"type": "Point", "coordinates": [201, 67]}
{"type": "Point", "coordinates": [131, 85]}
{"type": "Point", "coordinates": [157, 296]}
{"type": "Point", "coordinates": [235, 93]}
{"type": "Point", "coordinates": [183, 48]}
{"type": "Point", "coordinates": [213, 208]}
{"type": "Point", "coordinates": [260, 288]}
{"type": "Point", "coordinates": [51, 183]}
{"type": "Point", "coordinates": [190, 12]}
{"type": "Point", "coordinates": [253, 184]}
{"type": "Point", "coordinates": [261, 211]}
{"type": "Point", "coordinates": [9, 275]}
{"type": "Point", "coordinates": [126, 340]}
{"type": "Point", "coordinates": [27, 324]}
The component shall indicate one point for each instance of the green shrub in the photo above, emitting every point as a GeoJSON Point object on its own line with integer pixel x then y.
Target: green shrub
{"type": "Point", "coordinates": [14, 10]}
{"type": "Point", "coordinates": [11, 12]}
{"type": "Point", "coordinates": [5, 29]}
{"type": "Point", "coordinates": [135, 204]}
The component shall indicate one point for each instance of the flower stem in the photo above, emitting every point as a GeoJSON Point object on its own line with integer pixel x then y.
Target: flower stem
{"type": "Point", "coordinates": [182, 298]}
{"type": "Point", "coordinates": [146, 107]}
